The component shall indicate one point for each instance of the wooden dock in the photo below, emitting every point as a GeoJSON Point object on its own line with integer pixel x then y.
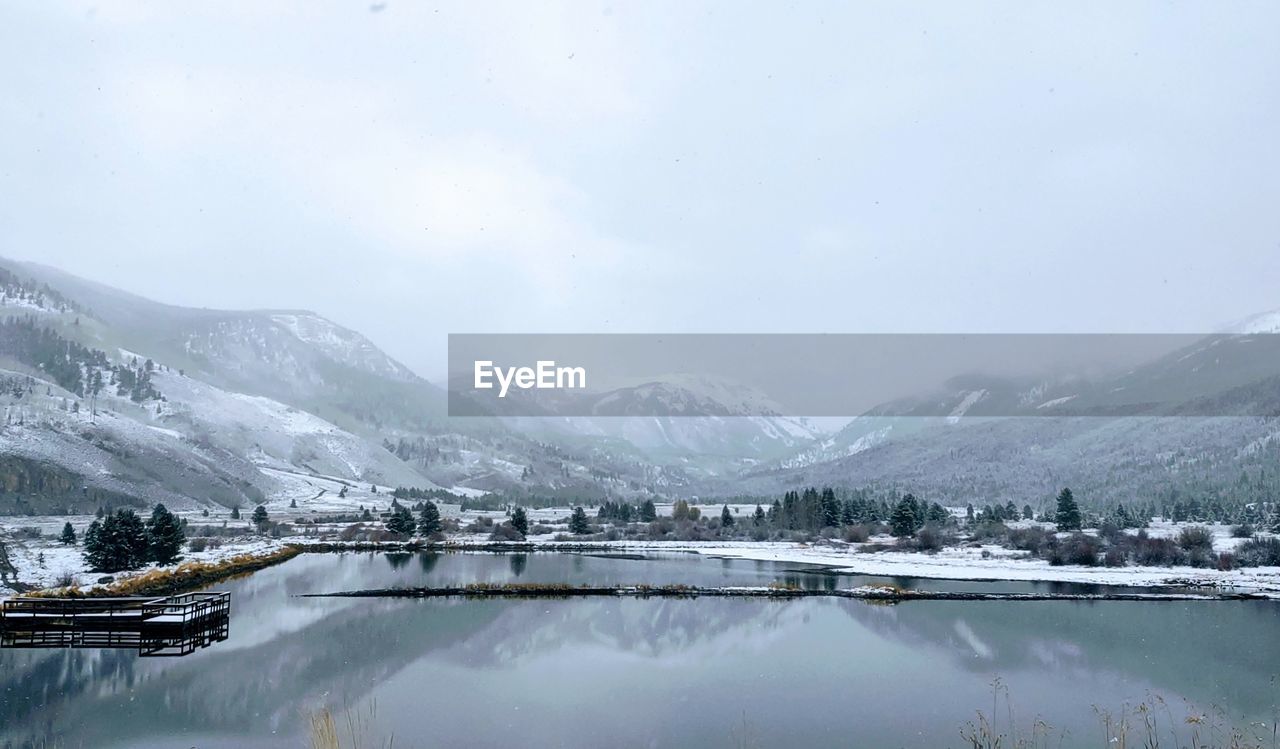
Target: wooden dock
{"type": "Point", "coordinates": [155, 626]}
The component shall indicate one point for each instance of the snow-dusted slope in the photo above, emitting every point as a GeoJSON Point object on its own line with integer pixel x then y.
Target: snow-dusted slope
{"type": "Point", "coordinates": [1264, 322]}
{"type": "Point", "coordinates": [58, 456]}
{"type": "Point", "coordinates": [273, 434]}
{"type": "Point", "coordinates": [341, 345]}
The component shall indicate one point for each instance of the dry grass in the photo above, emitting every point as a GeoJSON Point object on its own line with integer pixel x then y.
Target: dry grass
{"type": "Point", "coordinates": [1151, 724]}
{"type": "Point", "coordinates": [185, 576]}
{"type": "Point", "coordinates": [353, 729]}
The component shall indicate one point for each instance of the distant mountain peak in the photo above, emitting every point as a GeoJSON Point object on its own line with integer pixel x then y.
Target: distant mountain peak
{"type": "Point", "coordinates": [1263, 322]}
{"type": "Point", "coordinates": [340, 344]}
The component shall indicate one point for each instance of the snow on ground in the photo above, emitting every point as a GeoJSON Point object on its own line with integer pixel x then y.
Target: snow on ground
{"type": "Point", "coordinates": [42, 560]}
{"type": "Point", "coordinates": [967, 563]}
{"type": "Point", "coordinates": [46, 562]}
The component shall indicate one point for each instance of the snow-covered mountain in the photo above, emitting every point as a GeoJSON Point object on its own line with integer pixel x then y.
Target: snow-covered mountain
{"type": "Point", "coordinates": [209, 406]}
{"type": "Point", "coordinates": [242, 398]}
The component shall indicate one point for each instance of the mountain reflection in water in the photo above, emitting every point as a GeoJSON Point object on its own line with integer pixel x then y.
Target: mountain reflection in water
{"type": "Point", "coordinates": [651, 672]}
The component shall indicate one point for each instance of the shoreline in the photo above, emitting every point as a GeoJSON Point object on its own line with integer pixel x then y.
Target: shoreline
{"type": "Point", "coordinates": [961, 565]}
{"type": "Point", "coordinates": [880, 594]}
{"type": "Point", "coordinates": [183, 578]}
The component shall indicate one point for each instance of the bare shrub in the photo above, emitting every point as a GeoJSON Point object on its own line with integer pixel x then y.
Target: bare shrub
{"type": "Point", "coordinates": [1156, 552]}
{"type": "Point", "coordinates": [1259, 552]}
{"type": "Point", "coordinates": [506, 532]}
{"type": "Point", "coordinates": [1077, 548]}
{"type": "Point", "coordinates": [1034, 539]}
{"type": "Point", "coordinates": [1195, 538]}
{"type": "Point", "coordinates": [930, 539]}
{"type": "Point", "coordinates": [990, 532]}
{"type": "Point", "coordinates": [856, 534]}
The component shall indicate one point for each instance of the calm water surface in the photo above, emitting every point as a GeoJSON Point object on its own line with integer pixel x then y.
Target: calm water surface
{"type": "Point", "coordinates": [637, 673]}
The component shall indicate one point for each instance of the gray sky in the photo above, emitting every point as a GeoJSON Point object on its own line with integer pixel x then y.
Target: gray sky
{"type": "Point", "coordinates": [655, 167]}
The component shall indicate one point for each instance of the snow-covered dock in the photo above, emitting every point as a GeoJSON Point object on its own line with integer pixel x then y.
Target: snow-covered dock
{"type": "Point", "coordinates": [169, 625]}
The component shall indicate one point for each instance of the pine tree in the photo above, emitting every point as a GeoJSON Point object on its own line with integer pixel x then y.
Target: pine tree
{"type": "Point", "coordinates": [401, 521]}
{"type": "Point", "coordinates": [1027, 513]}
{"type": "Point", "coordinates": [293, 504]}
{"type": "Point", "coordinates": [429, 519]}
{"type": "Point", "coordinates": [260, 517]}
{"type": "Point", "coordinates": [93, 547]}
{"type": "Point", "coordinates": [903, 520]}
{"type": "Point", "coordinates": [578, 524]}
{"type": "Point", "coordinates": [68, 536]}
{"type": "Point", "coordinates": [164, 536]}
{"type": "Point", "coordinates": [830, 509]}
{"type": "Point", "coordinates": [520, 521]}
{"type": "Point", "coordinates": [118, 543]}
{"type": "Point", "coordinates": [758, 519]}
{"type": "Point", "coordinates": [726, 518]}
{"type": "Point", "coordinates": [235, 513]}
{"type": "Point", "coordinates": [648, 511]}
{"type": "Point", "coordinates": [1068, 516]}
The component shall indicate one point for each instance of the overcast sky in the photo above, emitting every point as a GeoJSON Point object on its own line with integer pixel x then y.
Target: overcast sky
{"type": "Point", "coordinates": [414, 169]}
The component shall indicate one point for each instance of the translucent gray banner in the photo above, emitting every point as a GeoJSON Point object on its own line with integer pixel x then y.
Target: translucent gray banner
{"type": "Point", "coordinates": [706, 375]}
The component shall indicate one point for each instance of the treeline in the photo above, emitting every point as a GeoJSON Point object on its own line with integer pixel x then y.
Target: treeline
{"type": "Point", "coordinates": [405, 492]}
{"type": "Point", "coordinates": [73, 366]}
{"type": "Point", "coordinates": [40, 295]}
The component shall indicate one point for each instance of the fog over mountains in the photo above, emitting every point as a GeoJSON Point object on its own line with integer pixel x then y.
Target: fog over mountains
{"type": "Point", "coordinates": [113, 398]}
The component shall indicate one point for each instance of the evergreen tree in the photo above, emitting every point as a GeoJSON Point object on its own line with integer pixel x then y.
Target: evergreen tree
{"type": "Point", "coordinates": [260, 517]}
{"type": "Point", "coordinates": [119, 543]}
{"type": "Point", "coordinates": [429, 519]}
{"type": "Point", "coordinates": [903, 520]}
{"type": "Point", "coordinates": [919, 509]}
{"type": "Point", "coordinates": [758, 519]}
{"type": "Point", "coordinates": [520, 521]}
{"type": "Point", "coordinates": [93, 548]}
{"type": "Point", "coordinates": [1068, 515]}
{"type": "Point", "coordinates": [1027, 513]}
{"type": "Point", "coordinates": [235, 512]}
{"type": "Point", "coordinates": [401, 521]}
{"type": "Point", "coordinates": [680, 511]}
{"type": "Point", "coordinates": [578, 524]}
{"type": "Point", "coordinates": [164, 536]}
{"type": "Point", "coordinates": [648, 511]}
{"type": "Point", "coordinates": [726, 518]}
{"type": "Point", "coordinates": [68, 536]}
{"type": "Point", "coordinates": [829, 508]}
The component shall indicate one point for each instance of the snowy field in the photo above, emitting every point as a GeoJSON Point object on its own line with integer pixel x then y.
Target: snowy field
{"type": "Point", "coordinates": [41, 560]}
